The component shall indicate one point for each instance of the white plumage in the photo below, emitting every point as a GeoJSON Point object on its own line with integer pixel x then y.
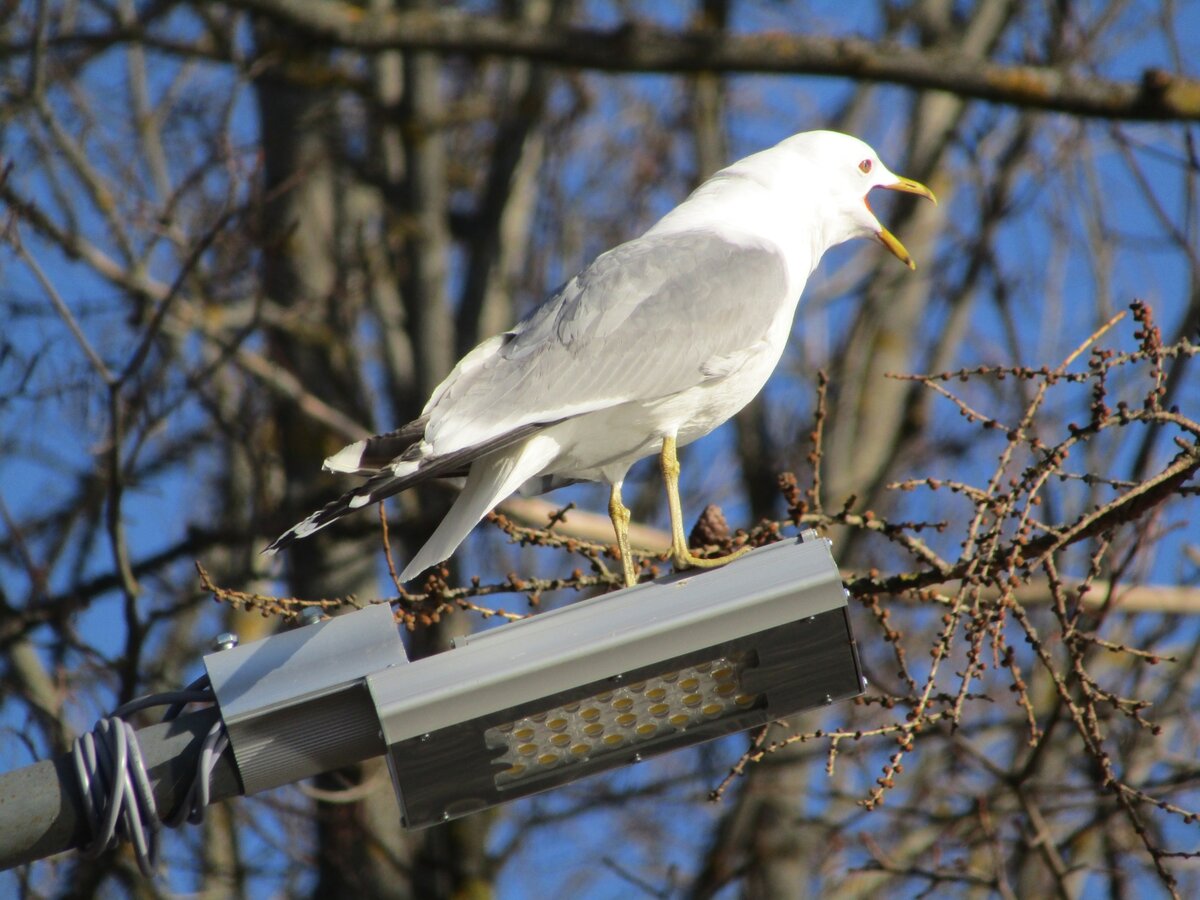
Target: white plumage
{"type": "Point", "coordinates": [652, 346]}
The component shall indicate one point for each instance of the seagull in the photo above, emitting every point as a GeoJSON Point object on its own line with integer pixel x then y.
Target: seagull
{"type": "Point", "coordinates": [653, 345]}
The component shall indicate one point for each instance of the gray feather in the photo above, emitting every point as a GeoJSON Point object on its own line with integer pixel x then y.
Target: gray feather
{"type": "Point", "coordinates": [712, 297]}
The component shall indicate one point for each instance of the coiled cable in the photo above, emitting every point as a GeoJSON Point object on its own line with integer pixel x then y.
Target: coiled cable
{"type": "Point", "coordinates": [117, 796]}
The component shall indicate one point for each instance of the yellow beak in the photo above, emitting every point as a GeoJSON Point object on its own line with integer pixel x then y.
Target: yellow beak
{"type": "Point", "coordinates": [889, 240]}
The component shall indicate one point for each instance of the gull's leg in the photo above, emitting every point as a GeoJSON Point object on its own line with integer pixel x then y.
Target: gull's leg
{"type": "Point", "coordinates": [680, 553]}
{"type": "Point", "coordinates": [620, 519]}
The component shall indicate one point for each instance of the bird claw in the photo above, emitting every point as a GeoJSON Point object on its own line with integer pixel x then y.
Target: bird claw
{"type": "Point", "coordinates": [685, 559]}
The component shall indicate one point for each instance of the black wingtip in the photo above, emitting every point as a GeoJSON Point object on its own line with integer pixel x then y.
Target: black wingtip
{"type": "Point", "coordinates": [326, 515]}
{"type": "Point", "coordinates": [278, 544]}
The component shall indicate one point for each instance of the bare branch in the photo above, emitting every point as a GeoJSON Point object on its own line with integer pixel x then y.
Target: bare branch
{"type": "Point", "coordinates": [1159, 96]}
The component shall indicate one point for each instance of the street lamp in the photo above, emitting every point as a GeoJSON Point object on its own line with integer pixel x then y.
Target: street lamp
{"type": "Point", "coordinates": [509, 712]}
{"type": "Point", "coordinates": [540, 702]}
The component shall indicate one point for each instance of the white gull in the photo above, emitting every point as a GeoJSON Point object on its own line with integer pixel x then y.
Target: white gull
{"type": "Point", "coordinates": [650, 347]}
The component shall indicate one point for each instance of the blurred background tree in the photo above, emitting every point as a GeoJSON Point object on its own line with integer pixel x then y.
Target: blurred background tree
{"type": "Point", "coordinates": [241, 234]}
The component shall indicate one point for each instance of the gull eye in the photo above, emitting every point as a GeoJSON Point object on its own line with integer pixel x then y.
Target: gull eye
{"type": "Point", "coordinates": [865, 166]}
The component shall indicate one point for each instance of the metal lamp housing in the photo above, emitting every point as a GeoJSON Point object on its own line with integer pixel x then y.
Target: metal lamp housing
{"type": "Point", "coordinates": [543, 701]}
{"type": "Point", "coordinates": [776, 618]}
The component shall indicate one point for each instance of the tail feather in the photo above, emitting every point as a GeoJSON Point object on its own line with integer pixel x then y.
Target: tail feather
{"type": "Point", "coordinates": [490, 480]}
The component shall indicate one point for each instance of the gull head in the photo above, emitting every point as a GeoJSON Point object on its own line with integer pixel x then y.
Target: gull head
{"type": "Point", "coordinates": [831, 174]}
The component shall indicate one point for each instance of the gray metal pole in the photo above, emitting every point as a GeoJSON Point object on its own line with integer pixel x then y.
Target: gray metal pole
{"type": "Point", "coordinates": [294, 705]}
{"type": "Point", "coordinates": [41, 811]}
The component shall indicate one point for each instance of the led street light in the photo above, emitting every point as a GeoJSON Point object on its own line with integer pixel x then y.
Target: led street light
{"type": "Point", "coordinates": [543, 701]}
{"type": "Point", "coordinates": [609, 681]}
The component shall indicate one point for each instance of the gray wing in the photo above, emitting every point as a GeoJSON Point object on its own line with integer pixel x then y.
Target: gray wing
{"type": "Point", "coordinates": [644, 321]}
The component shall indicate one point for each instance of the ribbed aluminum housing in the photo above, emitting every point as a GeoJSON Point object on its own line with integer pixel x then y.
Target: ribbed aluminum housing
{"type": "Point", "coordinates": [296, 703]}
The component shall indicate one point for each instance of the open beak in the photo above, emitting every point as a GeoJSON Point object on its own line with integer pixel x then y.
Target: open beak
{"type": "Point", "coordinates": [889, 240]}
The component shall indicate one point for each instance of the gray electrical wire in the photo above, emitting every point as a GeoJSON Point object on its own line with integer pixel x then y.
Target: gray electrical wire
{"type": "Point", "coordinates": [116, 791]}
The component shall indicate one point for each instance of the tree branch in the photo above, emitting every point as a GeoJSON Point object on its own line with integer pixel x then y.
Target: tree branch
{"type": "Point", "coordinates": [1158, 96]}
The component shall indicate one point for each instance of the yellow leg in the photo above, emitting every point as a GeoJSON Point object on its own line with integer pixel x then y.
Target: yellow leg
{"type": "Point", "coordinates": [620, 519]}
{"type": "Point", "coordinates": [682, 556]}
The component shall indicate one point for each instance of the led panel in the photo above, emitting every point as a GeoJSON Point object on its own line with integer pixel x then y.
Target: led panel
{"type": "Point", "coordinates": [624, 717]}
